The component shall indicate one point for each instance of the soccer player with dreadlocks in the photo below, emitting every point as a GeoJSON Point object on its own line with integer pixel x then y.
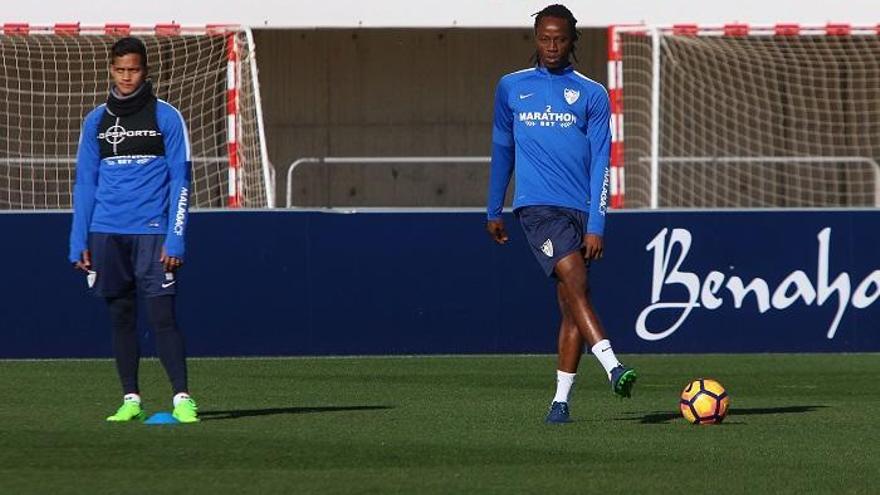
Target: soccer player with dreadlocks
{"type": "Point", "coordinates": [553, 123]}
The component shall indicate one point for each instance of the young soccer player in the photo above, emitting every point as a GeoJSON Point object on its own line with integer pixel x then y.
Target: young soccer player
{"type": "Point", "coordinates": [553, 123]}
{"type": "Point", "coordinates": [130, 207]}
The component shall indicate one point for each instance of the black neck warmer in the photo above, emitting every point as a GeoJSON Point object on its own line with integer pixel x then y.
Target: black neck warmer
{"type": "Point", "coordinates": [121, 106]}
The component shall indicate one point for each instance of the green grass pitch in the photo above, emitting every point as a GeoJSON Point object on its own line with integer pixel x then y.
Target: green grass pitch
{"type": "Point", "coordinates": [461, 424]}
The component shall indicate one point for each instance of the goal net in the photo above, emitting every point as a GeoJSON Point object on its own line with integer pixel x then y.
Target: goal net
{"type": "Point", "coordinates": [739, 116]}
{"type": "Point", "coordinates": [51, 77]}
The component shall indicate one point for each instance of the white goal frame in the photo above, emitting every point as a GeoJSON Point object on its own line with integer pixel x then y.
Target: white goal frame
{"type": "Point", "coordinates": [616, 88]}
{"type": "Point", "coordinates": [238, 38]}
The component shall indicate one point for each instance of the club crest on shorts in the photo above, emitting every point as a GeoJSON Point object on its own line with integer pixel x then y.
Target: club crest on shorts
{"type": "Point", "coordinates": [547, 248]}
{"type": "Point", "coordinates": [571, 95]}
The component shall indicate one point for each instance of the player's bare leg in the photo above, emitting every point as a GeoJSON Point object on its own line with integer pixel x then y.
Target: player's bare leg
{"type": "Point", "coordinates": [570, 345]}
{"type": "Point", "coordinates": [574, 286]}
{"type": "Point", "coordinates": [570, 342]}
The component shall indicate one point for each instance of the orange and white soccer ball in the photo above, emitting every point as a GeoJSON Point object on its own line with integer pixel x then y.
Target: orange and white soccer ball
{"type": "Point", "coordinates": [704, 402]}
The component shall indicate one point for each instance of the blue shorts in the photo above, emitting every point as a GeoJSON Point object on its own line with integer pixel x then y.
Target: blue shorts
{"type": "Point", "coordinates": [553, 232]}
{"type": "Point", "coordinates": [125, 263]}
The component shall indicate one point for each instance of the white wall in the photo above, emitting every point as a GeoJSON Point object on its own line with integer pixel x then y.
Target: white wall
{"type": "Point", "coordinates": [435, 13]}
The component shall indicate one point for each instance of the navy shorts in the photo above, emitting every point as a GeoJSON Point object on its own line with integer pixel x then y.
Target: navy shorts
{"type": "Point", "coordinates": [553, 232]}
{"type": "Point", "coordinates": [125, 263]}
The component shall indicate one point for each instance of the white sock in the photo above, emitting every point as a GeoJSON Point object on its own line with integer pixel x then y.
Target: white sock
{"type": "Point", "coordinates": [603, 352]}
{"type": "Point", "coordinates": [132, 397]}
{"type": "Point", "coordinates": [179, 397]}
{"type": "Point", "coordinates": [564, 382]}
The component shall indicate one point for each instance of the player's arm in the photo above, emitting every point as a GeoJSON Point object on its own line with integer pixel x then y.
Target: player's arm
{"type": "Point", "coordinates": [599, 135]}
{"type": "Point", "coordinates": [501, 168]}
{"type": "Point", "coordinates": [179, 159]}
{"type": "Point", "coordinates": [88, 159]}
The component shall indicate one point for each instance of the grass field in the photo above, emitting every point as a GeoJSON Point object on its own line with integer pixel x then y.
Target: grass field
{"type": "Point", "coordinates": [798, 424]}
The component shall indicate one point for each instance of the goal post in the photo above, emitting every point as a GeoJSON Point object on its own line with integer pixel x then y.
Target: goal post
{"type": "Point", "coordinates": [52, 76]}
{"type": "Point", "coordinates": [745, 116]}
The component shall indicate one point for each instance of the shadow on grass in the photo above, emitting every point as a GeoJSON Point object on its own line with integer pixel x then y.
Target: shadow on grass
{"type": "Point", "coordinates": [658, 417]}
{"type": "Point", "coordinates": [244, 413]}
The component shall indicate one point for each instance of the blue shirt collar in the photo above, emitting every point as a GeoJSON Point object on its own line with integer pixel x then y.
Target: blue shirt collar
{"type": "Point", "coordinates": [555, 72]}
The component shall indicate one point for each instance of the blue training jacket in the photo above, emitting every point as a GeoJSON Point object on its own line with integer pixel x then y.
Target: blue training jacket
{"type": "Point", "coordinates": [555, 127]}
{"type": "Point", "coordinates": [137, 187]}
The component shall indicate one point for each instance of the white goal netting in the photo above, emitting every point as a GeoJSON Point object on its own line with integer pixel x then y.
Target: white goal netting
{"type": "Point", "coordinates": [751, 118]}
{"type": "Point", "coordinates": [49, 81]}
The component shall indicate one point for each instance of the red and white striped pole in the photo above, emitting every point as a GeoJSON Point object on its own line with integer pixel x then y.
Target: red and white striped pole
{"type": "Point", "coordinates": [615, 94]}
{"type": "Point", "coordinates": [232, 79]}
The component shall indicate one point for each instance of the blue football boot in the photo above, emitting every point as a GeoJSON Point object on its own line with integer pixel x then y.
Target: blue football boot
{"type": "Point", "coordinates": [558, 413]}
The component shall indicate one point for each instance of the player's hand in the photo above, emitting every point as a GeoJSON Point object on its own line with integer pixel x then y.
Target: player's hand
{"type": "Point", "coordinates": [171, 263]}
{"type": "Point", "coordinates": [496, 231]}
{"type": "Point", "coordinates": [85, 261]}
{"type": "Point", "coordinates": [594, 247]}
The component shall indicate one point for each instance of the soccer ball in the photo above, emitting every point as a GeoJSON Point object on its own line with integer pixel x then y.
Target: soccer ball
{"type": "Point", "coordinates": [704, 402]}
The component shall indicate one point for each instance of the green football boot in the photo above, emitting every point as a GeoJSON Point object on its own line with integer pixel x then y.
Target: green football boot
{"type": "Point", "coordinates": [186, 411]}
{"type": "Point", "coordinates": [622, 380]}
{"type": "Point", "coordinates": [130, 410]}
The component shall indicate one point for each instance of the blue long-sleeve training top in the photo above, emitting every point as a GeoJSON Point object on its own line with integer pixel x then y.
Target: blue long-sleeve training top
{"type": "Point", "coordinates": [553, 129]}
{"type": "Point", "coordinates": [133, 176]}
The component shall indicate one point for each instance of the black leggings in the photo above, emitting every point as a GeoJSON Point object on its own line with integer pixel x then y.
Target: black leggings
{"type": "Point", "coordinates": [126, 348]}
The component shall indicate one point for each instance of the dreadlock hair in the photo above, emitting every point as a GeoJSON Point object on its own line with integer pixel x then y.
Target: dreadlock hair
{"type": "Point", "coordinates": [128, 45]}
{"type": "Point", "coordinates": [558, 11]}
